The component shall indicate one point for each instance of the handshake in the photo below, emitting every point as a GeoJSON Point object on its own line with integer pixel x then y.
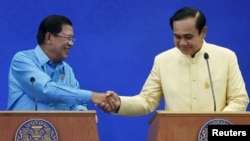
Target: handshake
{"type": "Point", "coordinates": [108, 102]}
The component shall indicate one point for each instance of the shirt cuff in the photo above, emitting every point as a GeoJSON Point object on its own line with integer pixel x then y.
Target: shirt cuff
{"type": "Point", "coordinates": [84, 96]}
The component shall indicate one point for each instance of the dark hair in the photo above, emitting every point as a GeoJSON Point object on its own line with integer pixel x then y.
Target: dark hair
{"type": "Point", "coordinates": [187, 12]}
{"type": "Point", "coordinates": [52, 24]}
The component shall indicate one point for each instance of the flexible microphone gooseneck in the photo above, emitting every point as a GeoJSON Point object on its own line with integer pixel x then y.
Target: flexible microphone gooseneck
{"type": "Point", "coordinates": [32, 80]}
{"type": "Point", "coordinates": [206, 57]}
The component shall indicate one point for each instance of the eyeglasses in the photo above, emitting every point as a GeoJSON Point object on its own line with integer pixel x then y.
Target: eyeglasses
{"type": "Point", "coordinates": [69, 38]}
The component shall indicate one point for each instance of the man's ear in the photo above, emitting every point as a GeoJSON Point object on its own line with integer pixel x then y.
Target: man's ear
{"type": "Point", "coordinates": [48, 38]}
{"type": "Point", "coordinates": [204, 31]}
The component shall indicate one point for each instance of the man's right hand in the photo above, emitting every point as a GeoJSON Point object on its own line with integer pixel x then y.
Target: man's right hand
{"type": "Point", "coordinates": [100, 100]}
{"type": "Point", "coordinates": [113, 101]}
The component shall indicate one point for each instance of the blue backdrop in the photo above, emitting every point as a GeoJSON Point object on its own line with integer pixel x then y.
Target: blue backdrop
{"type": "Point", "coordinates": [116, 44]}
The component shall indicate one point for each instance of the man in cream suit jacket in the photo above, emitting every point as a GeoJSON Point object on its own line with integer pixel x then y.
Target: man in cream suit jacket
{"type": "Point", "coordinates": [181, 74]}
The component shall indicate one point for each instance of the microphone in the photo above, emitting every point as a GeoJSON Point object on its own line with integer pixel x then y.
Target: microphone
{"type": "Point", "coordinates": [206, 57]}
{"type": "Point", "coordinates": [32, 80]}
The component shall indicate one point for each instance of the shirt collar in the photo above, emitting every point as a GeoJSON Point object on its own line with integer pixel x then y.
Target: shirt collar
{"type": "Point", "coordinates": [43, 58]}
{"type": "Point", "coordinates": [202, 50]}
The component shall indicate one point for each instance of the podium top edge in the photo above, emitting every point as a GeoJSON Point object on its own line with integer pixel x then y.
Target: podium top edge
{"type": "Point", "coordinates": [162, 113]}
{"type": "Point", "coordinates": [43, 112]}
{"type": "Point", "coordinates": [201, 112]}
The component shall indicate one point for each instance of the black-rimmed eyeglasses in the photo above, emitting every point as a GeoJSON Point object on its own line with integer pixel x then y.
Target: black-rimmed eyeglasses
{"type": "Point", "coordinates": [69, 38]}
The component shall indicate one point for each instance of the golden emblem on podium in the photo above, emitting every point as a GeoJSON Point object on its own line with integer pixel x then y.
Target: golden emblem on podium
{"type": "Point", "coordinates": [36, 130]}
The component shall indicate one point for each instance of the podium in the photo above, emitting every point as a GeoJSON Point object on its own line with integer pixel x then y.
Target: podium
{"type": "Point", "coordinates": [185, 126]}
{"type": "Point", "coordinates": [69, 125]}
